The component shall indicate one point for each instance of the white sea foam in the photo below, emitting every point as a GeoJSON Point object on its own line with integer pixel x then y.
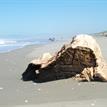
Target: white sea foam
{"type": "Point", "coordinates": [7, 45]}
{"type": "Point", "coordinates": [6, 42]}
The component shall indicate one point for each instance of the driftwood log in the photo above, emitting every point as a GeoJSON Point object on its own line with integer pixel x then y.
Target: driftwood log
{"type": "Point", "coordinates": [81, 59]}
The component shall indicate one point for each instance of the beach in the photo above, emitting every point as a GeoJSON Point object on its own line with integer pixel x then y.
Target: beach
{"type": "Point", "coordinates": [62, 93]}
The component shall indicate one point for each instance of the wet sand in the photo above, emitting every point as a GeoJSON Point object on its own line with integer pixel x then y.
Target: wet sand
{"type": "Point", "coordinates": [62, 93]}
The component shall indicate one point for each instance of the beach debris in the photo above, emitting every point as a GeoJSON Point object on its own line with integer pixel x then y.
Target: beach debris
{"type": "Point", "coordinates": [81, 60]}
{"type": "Point", "coordinates": [1, 88]}
{"type": "Point", "coordinates": [51, 39]}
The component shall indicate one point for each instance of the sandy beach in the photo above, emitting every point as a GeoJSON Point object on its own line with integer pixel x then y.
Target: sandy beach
{"type": "Point", "coordinates": [62, 93]}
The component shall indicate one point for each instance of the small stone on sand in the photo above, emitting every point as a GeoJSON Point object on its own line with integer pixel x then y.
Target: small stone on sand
{"type": "Point", "coordinates": [26, 101]}
{"type": "Point", "coordinates": [92, 104]}
{"type": "Point", "coordinates": [1, 88]}
{"type": "Point", "coordinates": [35, 83]}
{"type": "Point", "coordinates": [39, 89]}
{"type": "Point", "coordinates": [6, 60]}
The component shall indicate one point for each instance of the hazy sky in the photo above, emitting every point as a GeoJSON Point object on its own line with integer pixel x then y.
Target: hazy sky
{"type": "Point", "coordinates": [30, 17]}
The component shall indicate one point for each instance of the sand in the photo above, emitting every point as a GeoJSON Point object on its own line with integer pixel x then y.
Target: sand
{"type": "Point", "coordinates": [62, 93]}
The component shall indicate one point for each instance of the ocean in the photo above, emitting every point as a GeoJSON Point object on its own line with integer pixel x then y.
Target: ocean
{"type": "Point", "coordinates": [9, 44]}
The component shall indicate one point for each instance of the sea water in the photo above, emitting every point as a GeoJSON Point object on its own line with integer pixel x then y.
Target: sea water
{"type": "Point", "coordinates": [9, 44]}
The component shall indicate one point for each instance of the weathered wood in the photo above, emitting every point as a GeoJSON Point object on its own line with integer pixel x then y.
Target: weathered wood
{"type": "Point", "coordinates": [81, 60]}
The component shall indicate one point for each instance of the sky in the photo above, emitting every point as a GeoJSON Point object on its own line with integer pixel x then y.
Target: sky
{"type": "Point", "coordinates": [37, 17]}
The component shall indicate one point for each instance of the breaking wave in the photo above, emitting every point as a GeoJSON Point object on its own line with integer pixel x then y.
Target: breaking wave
{"type": "Point", "coordinates": [6, 42]}
{"type": "Point", "coordinates": [9, 44]}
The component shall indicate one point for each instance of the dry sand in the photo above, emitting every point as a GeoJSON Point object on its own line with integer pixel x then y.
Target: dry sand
{"type": "Point", "coordinates": [62, 93]}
